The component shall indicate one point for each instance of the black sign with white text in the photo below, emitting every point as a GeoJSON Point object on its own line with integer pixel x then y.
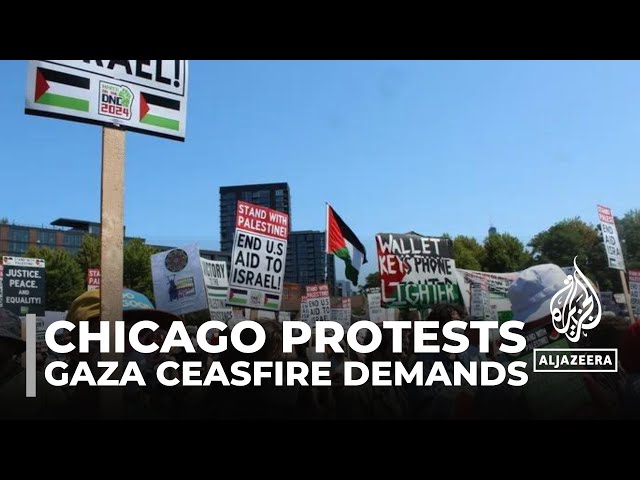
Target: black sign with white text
{"type": "Point", "coordinates": [24, 289]}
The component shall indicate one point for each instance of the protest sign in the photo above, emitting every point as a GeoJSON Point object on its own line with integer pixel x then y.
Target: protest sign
{"type": "Point", "coordinates": [485, 293]}
{"type": "Point", "coordinates": [258, 257]}
{"type": "Point", "coordinates": [634, 289]}
{"type": "Point", "coordinates": [318, 303]}
{"type": "Point", "coordinates": [416, 271]}
{"type": "Point", "coordinates": [93, 278]}
{"type": "Point", "coordinates": [217, 286]}
{"type": "Point", "coordinates": [178, 283]}
{"type": "Point", "coordinates": [342, 313]}
{"type": "Point", "coordinates": [610, 238]}
{"type": "Point", "coordinates": [24, 285]}
{"type": "Point", "coordinates": [266, 315]}
{"type": "Point", "coordinates": [146, 96]}
{"type": "Point", "coordinates": [377, 314]}
{"type": "Point", "coordinates": [1, 275]}
{"type": "Point", "coordinates": [304, 309]}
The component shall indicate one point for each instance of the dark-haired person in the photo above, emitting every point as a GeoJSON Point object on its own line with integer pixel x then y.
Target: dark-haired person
{"type": "Point", "coordinates": [14, 404]}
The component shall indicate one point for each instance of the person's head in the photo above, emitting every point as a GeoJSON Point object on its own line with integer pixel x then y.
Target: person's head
{"type": "Point", "coordinates": [11, 342]}
{"type": "Point", "coordinates": [135, 307]}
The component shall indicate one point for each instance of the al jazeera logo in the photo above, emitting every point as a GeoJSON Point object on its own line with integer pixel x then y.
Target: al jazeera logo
{"type": "Point", "coordinates": [575, 311]}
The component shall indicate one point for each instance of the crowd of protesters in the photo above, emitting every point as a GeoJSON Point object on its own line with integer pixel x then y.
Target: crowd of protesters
{"type": "Point", "coordinates": [606, 395]}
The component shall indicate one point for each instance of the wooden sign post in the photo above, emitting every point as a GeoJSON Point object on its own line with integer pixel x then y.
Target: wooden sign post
{"type": "Point", "coordinates": [111, 252]}
{"type": "Point", "coordinates": [146, 96]}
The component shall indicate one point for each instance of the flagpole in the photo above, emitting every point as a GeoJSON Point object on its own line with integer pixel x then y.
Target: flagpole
{"type": "Point", "coordinates": [326, 244]}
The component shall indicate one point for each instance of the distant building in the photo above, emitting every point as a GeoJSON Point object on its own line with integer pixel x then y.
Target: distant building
{"type": "Point", "coordinates": [270, 195]}
{"type": "Point", "coordinates": [492, 230]}
{"type": "Point", "coordinates": [343, 288]}
{"type": "Point", "coordinates": [307, 260]}
{"type": "Point", "coordinates": [64, 234]}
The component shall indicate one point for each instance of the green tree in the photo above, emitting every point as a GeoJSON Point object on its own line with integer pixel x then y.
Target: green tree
{"type": "Point", "coordinates": [137, 267]}
{"type": "Point", "coordinates": [372, 280]}
{"type": "Point", "coordinates": [89, 254]}
{"type": "Point", "coordinates": [468, 253]}
{"type": "Point", "coordinates": [64, 280]}
{"type": "Point", "coordinates": [629, 232]}
{"type": "Point", "coordinates": [505, 253]}
{"type": "Point", "coordinates": [569, 238]}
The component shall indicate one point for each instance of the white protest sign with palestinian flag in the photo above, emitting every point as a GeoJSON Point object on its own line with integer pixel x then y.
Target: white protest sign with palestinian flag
{"type": "Point", "coordinates": [147, 96]}
{"type": "Point", "coordinates": [258, 257]}
{"type": "Point", "coordinates": [343, 243]}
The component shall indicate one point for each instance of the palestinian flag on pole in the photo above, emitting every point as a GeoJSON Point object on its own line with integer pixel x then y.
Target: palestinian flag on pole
{"type": "Point", "coordinates": [344, 244]}
{"type": "Point", "coordinates": [159, 111]}
{"type": "Point", "coordinates": [238, 296]}
{"type": "Point", "coordinates": [62, 90]}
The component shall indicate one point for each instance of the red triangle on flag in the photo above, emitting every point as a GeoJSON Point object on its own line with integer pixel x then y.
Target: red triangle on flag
{"type": "Point", "coordinates": [41, 85]}
{"type": "Point", "coordinates": [144, 107]}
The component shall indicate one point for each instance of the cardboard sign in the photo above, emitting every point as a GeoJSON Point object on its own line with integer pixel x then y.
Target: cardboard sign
{"type": "Point", "coordinates": [24, 285]}
{"type": "Point", "coordinates": [258, 258]}
{"type": "Point", "coordinates": [178, 283]}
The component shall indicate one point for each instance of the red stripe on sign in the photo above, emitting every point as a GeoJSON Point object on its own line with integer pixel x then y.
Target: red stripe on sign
{"type": "Point", "coordinates": [261, 220]}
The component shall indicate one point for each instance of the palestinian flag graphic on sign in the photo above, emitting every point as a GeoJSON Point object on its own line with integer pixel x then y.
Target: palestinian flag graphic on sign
{"type": "Point", "coordinates": [62, 90]}
{"type": "Point", "coordinates": [238, 296]}
{"type": "Point", "coordinates": [159, 111]}
{"type": "Point", "coordinates": [271, 300]}
{"type": "Point", "coordinates": [344, 244]}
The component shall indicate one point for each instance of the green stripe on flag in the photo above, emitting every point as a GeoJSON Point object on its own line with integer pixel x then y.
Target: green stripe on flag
{"type": "Point", "coordinates": [64, 102]}
{"type": "Point", "coordinates": [240, 301]}
{"type": "Point", "coordinates": [271, 304]}
{"type": "Point", "coordinates": [350, 271]}
{"type": "Point", "coordinates": [161, 122]}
